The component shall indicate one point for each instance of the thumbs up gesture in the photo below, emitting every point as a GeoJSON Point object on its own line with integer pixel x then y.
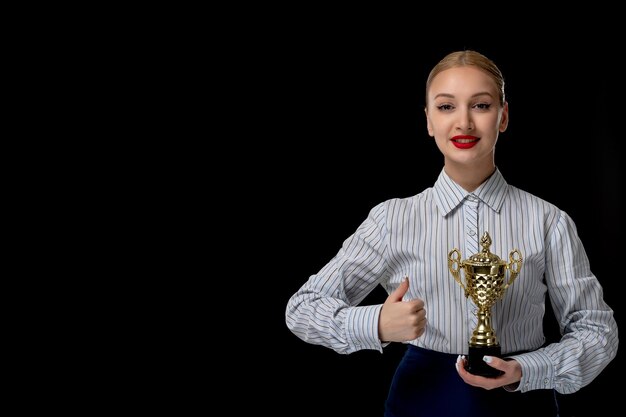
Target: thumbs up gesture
{"type": "Point", "coordinates": [401, 321]}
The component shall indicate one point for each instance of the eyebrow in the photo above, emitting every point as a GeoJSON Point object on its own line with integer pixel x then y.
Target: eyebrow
{"type": "Point", "coordinates": [446, 95]}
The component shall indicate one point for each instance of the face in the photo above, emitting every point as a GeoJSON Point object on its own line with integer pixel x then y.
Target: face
{"type": "Point", "coordinates": [464, 115]}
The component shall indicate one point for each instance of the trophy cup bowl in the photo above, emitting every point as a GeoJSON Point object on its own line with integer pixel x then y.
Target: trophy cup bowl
{"type": "Point", "coordinates": [485, 283]}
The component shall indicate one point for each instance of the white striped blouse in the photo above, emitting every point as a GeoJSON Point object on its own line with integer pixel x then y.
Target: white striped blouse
{"type": "Point", "coordinates": [412, 237]}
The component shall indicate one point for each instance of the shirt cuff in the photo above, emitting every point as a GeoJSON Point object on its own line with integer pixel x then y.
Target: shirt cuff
{"type": "Point", "coordinates": [361, 327]}
{"type": "Point", "coordinates": [537, 372]}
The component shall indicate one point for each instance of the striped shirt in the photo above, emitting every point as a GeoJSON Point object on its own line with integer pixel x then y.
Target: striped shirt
{"type": "Point", "coordinates": [412, 237]}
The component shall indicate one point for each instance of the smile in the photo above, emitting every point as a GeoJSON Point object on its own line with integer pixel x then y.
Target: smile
{"type": "Point", "coordinates": [465, 141]}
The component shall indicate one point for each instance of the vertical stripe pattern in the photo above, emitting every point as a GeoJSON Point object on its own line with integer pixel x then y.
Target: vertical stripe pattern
{"type": "Point", "coordinates": [471, 233]}
{"type": "Point", "coordinates": [414, 236]}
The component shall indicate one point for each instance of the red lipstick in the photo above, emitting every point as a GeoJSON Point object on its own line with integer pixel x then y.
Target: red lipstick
{"type": "Point", "coordinates": [465, 141]}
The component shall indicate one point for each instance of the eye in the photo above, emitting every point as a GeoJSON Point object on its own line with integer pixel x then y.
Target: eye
{"type": "Point", "coordinates": [482, 106]}
{"type": "Point", "coordinates": [445, 107]}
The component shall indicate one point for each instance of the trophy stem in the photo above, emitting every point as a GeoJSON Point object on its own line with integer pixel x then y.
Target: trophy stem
{"type": "Point", "coordinates": [483, 342]}
{"type": "Point", "coordinates": [483, 335]}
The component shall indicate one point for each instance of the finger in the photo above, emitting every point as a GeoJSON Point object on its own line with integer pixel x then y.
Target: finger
{"type": "Point", "coordinates": [460, 365]}
{"type": "Point", "coordinates": [399, 292]}
{"type": "Point", "coordinates": [417, 305]}
{"type": "Point", "coordinates": [495, 362]}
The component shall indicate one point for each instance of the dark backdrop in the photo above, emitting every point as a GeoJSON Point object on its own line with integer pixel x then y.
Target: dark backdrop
{"type": "Point", "coordinates": [343, 128]}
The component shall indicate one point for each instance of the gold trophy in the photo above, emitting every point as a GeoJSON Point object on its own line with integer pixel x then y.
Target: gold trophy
{"type": "Point", "coordinates": [484, 282]}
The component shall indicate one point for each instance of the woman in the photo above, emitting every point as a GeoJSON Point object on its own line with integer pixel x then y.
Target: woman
{"type": "Point", "coordinates": [405, 245]}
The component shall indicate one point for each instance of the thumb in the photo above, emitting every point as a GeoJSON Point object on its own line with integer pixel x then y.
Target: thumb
{"type": "Point", "coordinates": [495, 362]}
{"type": "Point", "coordinates": [400, 291]}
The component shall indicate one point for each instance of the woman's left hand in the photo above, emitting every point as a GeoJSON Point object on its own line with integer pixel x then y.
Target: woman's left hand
{"type": "Point", "coordinates": [511, 368]}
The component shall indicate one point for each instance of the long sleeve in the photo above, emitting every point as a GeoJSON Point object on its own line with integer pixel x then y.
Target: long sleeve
{"type": "Point", "coordinates": [412, 237]}
{"type": "Point", "coordinates": [324, 310]}
{"type": "Point", "coordinates": [589, 331]}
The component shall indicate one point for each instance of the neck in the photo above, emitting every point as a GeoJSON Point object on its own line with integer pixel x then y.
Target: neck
{"type": "Point", "coordinates": [469, 178]}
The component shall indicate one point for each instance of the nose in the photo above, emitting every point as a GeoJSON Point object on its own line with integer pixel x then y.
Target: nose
{"type": "Point", "coordinates": [465, 123]}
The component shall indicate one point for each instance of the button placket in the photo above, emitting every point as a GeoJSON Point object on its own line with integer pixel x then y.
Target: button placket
{"type": "Point", "coordinates": [470, 212]}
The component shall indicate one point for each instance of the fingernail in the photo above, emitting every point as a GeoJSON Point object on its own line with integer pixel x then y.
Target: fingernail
{"type": "Point", "coordinates": [458, 359]}
{"type": "Point", "coordinates": [487, 359]}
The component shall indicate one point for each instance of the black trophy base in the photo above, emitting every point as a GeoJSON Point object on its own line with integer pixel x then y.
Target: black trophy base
{"type": "Point", "coordinates": [477, 366]}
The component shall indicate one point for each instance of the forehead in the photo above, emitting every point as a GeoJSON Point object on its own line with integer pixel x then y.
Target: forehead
{"type": "Point", "coordinates": [462, 82]}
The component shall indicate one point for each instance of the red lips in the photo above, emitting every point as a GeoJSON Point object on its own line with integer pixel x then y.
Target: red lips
{"type": "Point", "coordinates": [465, 141]}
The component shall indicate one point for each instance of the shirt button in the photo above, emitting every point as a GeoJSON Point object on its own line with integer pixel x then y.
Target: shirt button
{"type": "Point", "coordinates": [471, 232]}
{"type": "Point", "coordinates": [545, 381]}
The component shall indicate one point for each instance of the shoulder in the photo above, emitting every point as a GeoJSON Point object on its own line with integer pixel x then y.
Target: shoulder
{"type": "Point", "coordinates": [527, 205]}
{"type": "Point", "coordinates": [403, 209]}
{"type": "Point", "coordinates": [408, 202]}
{"type": "Point", "coordinates": [524, 197]}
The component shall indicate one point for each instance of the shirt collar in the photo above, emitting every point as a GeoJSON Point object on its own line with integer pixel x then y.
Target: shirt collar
{"type": "Point", "coordinates": [448, 194]}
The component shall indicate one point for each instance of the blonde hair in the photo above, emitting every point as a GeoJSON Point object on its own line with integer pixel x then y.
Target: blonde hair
{"type": "Point", "coordinates": [465, 59]}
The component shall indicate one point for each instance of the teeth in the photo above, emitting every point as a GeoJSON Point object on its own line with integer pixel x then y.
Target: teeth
{"type": "Point", "coordinates": [465, 140]}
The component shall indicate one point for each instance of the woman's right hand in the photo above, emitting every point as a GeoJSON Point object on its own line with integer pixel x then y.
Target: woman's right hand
{"type": "Point", "coordinates": [401, 321]}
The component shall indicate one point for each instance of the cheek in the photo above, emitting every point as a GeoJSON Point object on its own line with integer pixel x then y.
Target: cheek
{"type": "Point", "coordinates": [487, 125]}
{"type": "Point", "coordinates": [434, 122]}
{"type": "Point", "coordinates": [441, 128]}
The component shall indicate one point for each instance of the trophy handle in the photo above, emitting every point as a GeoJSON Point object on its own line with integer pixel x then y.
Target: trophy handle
{"type": "Point", "coordinates": [515, 258]}
{"type": "Point", "coordinates": [454, 265]}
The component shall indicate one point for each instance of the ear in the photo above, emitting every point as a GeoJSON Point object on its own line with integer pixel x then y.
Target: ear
{"type": "Point", "coordinates": [428, 126]}
{"type": "Point", "coordinates": [504, 118]}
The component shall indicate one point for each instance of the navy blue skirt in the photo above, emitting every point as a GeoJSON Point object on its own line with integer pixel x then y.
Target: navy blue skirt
{"type": "Point", "coordinates": [426, 384]}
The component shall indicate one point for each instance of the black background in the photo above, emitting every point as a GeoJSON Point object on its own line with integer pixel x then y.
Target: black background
{"type": "Point", "coordinates": [337, 126]}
